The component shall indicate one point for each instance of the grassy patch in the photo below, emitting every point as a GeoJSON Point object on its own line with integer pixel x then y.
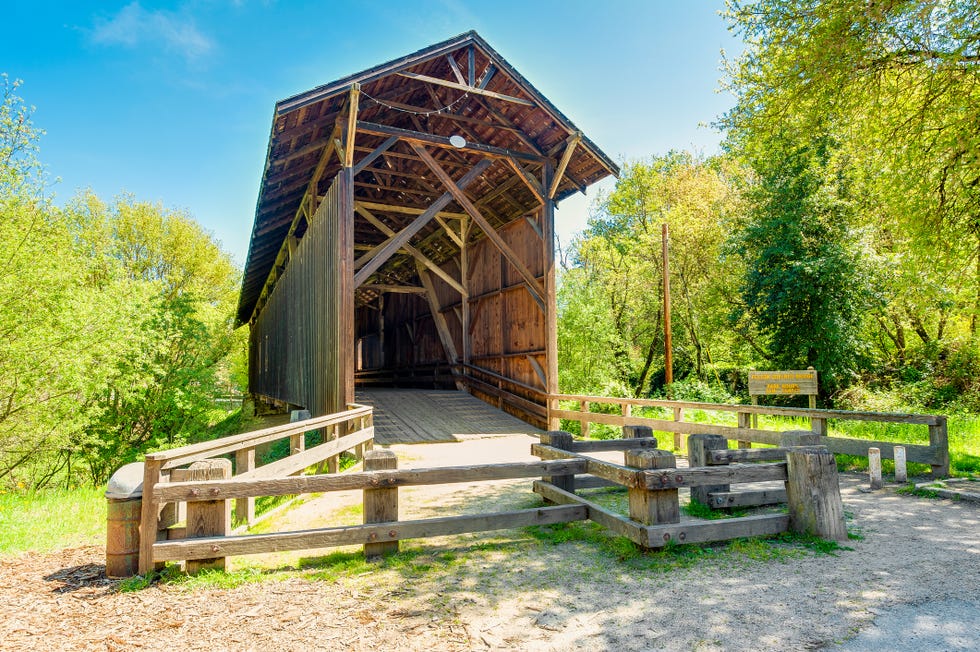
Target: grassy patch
{"type": "Point", "coordinates": [51, 519]}
{"type": "Point", "coordinates": [700, 510]}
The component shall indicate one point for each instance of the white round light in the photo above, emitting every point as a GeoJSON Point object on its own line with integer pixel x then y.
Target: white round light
{"type": "Point", "coordinates": [457, 141]}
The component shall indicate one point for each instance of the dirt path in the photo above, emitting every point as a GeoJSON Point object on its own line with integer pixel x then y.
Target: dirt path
{"type": "Point", "coordinates": [916, 570]}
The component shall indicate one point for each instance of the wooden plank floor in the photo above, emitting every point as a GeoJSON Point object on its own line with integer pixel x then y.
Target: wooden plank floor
{"type": "Point", "coordinates": [407, 416]}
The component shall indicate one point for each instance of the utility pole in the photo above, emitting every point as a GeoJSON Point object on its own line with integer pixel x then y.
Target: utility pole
{"type": "Point", "coordinates": [668, 351]}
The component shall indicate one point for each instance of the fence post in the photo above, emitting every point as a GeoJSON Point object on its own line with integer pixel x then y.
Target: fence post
{"type": "Point", "coordinates": [562, 440]}
{"type": "Point", "coordinates": [207, 518]}
{"type": "Point", "coordinates": [813, 494]}
{"type": "Point", "coordinates": [697, 455]}
{"type": "Point", "coordinates": [652, 507]}
{"type": "Point", "coordinates": [939, 442]}
{"type": "Point", "coordinates": [297, 443]}
{"type": "Point", "coordinates": [678, 418]}
{"type": "Point", "coordinates": [245, 507]}
{"type": "Point", "coordinates": [874, 467]}
{"type": "Point", "coordinates": [744, 423]}
{"type": "Point", "coordinates": [380, 505]}
{"type": "Point", "coordinates": [149, 515]}
{"type": "Point", "coordinates": [901, 468]}
{"type": "Point", "coordinates": [584, 421]}
{"type": "Point", "coordinates": [637, 432]}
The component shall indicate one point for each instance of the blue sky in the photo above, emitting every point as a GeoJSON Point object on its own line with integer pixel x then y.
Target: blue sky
{"type": "Point", "coordinates": [173, 102]}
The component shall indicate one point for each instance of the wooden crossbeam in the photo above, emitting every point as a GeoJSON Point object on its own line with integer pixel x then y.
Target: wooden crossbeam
{"type": "Point", "coordinates": [455, 67]}
{"type": "Point", "coordinates": [470, 89]}
{"type": "Point", "coordinates": [442, 328]}
{"type": "Point", "coordinates": [532, 283]}
{"type": "Point", "coordinates": [408, 210]}
{"type": "Point", "coordinates": [411, 136]}
{"type": "Point", "coordinates": [397, 289]}
{"type": "Point", "coordinates": [375, 153]}
{"type": "Point", "coordinates": [418, 223]}
{"type": "Point", "coordinates": [527, 178]}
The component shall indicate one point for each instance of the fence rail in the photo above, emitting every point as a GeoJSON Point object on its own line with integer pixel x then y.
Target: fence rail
{"type": "Point", "coordinates": [936, 454]}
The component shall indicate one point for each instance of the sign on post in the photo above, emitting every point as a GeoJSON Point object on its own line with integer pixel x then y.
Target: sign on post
{"type": "Point", "coordinates": [800, 382]}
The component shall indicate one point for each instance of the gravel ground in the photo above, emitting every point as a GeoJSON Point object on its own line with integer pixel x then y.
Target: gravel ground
{"type": "Point", "coordinates": [912, 582]}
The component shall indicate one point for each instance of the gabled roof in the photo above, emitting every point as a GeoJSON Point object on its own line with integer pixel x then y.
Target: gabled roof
{"type": "Point", "coordinates": [476, 93]}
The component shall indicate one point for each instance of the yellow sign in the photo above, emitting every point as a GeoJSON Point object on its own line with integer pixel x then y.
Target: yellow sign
{"type": "Point", "coordinates": [790, 383]}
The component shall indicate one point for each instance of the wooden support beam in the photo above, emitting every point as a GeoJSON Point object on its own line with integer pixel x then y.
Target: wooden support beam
{"type": "Point", "coordinates": [442, 327]}
{"type": "Point", "coordinates": [487, 76]}
{"type": "Point", "coordinates": [471, 65]}
{"type": "Point", "coordinates": [470, 89]}
{"type": "Point", "coordinates": [528, 179]}
{"type": "Point", "coordinates": [411, 136]}
{"type": "Point", "coordinates": [455, 68]}
{"type": "Point", "coordinates": [570, 146]}
{"type": "Point", "coordinates": [535, 288]}
{"type": "Point", "coordinates": [547, 233]}
{"type": "Point", "coordinates": [355, 94]}
{"type": "Point", "coordinates": [412, 251]}
{"type": "Point", "coordinates": [374, 154]}
{"type": "Point", "coordinates": [396, 289]}
{"type": "Point", "coordinates": [452, 234]}
{"type": "Point", "coordinates": [406, 234]}
{"type": "Point", "coordinates": [409, 210]}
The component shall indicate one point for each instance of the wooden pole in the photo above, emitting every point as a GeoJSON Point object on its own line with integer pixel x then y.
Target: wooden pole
{"type": "Point", "coordinates": [668, 350]}
{"type": "Point", "coordinates": [380, 505]}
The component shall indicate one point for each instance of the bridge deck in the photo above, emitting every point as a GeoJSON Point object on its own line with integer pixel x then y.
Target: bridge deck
{"type": "Point", "coordinates": [407, 416]}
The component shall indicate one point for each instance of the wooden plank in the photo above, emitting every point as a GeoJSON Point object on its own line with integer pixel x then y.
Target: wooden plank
{"type": "Point", "coordinates": [469, 89]}
{"type": "Point", "coordinates": [513, 399]}
{"type": "Point", "coordinates": [419, 137]}
{"type": "Point", "coordinates": [723, 529]}
{"type": "Point", "coordinates": [593, 482]}
{"type": "Point", "coordinates": [623, 475]}
{"type": "Point", "coordinates": [296, 462]}
{"type": "Point", "coordinates": [207, 518]}
{"type": "Point", "coordinates": [186, 454]}
{"type": "Point", "coordinates": [408, 210]}
{"type": "Point", "coordinates": [698, 447]}
{"type": "Point", "coordinates": [609, 520]}
{"type": "Point", "coordinates": [728, 455]}
{"type": "Point", "coordinates": [604, 445]}
{"type": "Point", "coordinates": [536, 290]}
{"type": "Point", "coordinates": [714, 475]}
{"type": "Point", "coordinates": [380, 505]}
{"type": "Point", "coordinates": [362, 534]}
{"type": "Point", "coordinates": [417, 224]}
{"type": "Point", "coordinates": [754, 498]}
{"type": "Point", "coordinates": [236, 488]}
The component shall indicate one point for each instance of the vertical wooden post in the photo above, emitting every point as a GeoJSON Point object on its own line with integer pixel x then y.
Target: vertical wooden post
{"type": "Point", "coordinates": [562, 440]}
{"type": "Point", "coordinates": [637, 432]}
{"type": "Point", "coordinates": [755, 417]}
{"type": "Point", "coordinates": [939, 442]}
{"type": "Point", "coordinates": [627, 410]}
{"type": "Point", "coordinates": [652, 507]}
{"type": "Point", "coordinates": [380, 505]}
{"type": "Point", "coordinates": [464, 280]}
{"type": "Point", "coordinates": [333, 463]}
{"type": "Point", "coordinates": [697, 455]}
{"type": "Point", "coordinates": [149, 515]}
{"type": "Point", "coordinates": [297, 442]}
{"type": "Point", "coordinates": [207, 518]}
{"type": "Point", "coordinates": [551, 304]}
{"type": "Point", "coordinates": [744, 422]}
{"type": "Point", "coordinates": [901, 468]}
{"type": "Point", "coordinates": [813, 494]}
{"type": "Point", "coordinates": [678, 418]}
{"type": "Point", "coordinates": [668, 349]}
{"type": "Point", "coordinates": [584, 421]}
{"type": "Point", "coordinates": [245, 507]}
{"type": "Point", "coordinates": [874, 468]}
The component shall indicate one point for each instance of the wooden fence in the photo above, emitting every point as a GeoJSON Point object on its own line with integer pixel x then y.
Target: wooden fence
{"type": "Point", "coordinates": [349, 430]}
{"type": "Point", "coordinates": [936, 454]}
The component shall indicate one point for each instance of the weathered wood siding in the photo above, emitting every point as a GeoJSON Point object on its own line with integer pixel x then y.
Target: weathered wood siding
{"type": "Point", "coordinates": [301, 344]}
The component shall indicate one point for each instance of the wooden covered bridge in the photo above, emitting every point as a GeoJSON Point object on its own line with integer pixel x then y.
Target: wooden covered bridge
{"type": "Point", "coordinates": [404, 236]}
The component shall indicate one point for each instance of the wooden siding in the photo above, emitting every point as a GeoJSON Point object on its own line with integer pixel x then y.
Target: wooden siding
{"type": "Point", "coordinates": [296, 346]}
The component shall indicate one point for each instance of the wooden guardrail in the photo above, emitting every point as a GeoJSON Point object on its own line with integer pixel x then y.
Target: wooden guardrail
{"type": "Point", "coordinates": [936, 454]}
{"type": "Point", "coordinates": [343, 431]}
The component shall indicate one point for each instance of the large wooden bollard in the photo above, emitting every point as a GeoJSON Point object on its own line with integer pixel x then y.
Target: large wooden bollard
{"type": "Point", "coordinates": [562, 440]}
{"type": "Point", "coordinates": [813, 494]}
{"type": "Point", "coordinates": [637, 432]}
{"type": "Point", "coordinates": [652, 507]}
{"type": "Point", "coordinates": [124, 496]}
{"type": "Point", "coordinates": [380, 505]}
{"type": "Point", "coordinates": [206, 518]}
{"type": "Point", "coordinates": [697, 455]}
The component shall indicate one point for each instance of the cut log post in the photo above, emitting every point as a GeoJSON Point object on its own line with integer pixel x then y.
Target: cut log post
{"type": "Point", "coordinates": [697, 454]}
{"type": "Point", "coordinates": [206, 518]}
{"type": "Point", "coordinates": [562, 440]}
{"type": "Point", "coordinates": [637, 432]}
{"type": "Point", "coordinates": [380, 505]}
{"type": "Point", "coordinates": [653, 507]}
{"type": "Point", "coordinates": [874, 467]}
{"type": "Point", "coordinates": [901, 468]}
{"type": "Point", "coordinates": [245, 507]}
{"type": "Point", "coordinates": [678, 418]}
{"type": "Point", "coordinates": [813, 494]}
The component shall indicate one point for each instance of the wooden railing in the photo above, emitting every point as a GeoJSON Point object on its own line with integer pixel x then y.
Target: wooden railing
{"type": "Point", "coordinates": [936, 454]}
{"type": "Point", "coordinates": [349, 430]}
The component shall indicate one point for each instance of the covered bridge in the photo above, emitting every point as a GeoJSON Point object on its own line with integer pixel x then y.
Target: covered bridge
{"type": "Point", "coordinates": [404, 234]}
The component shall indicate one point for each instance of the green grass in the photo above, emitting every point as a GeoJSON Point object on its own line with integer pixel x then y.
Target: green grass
{"type": "Point", "coordinates": [51, 519]}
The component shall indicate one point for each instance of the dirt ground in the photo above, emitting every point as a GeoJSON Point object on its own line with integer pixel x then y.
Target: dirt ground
{"type": "Point", "coordinates": [912, 582]}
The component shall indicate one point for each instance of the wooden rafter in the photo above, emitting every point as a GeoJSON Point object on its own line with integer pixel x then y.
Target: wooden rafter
{"type": "Point", "coordinates": [527, 178]}
{"type": "Point", "coordinates": [407, 210]}
{"type": "Point", "coordinates": [571, 144]}
{"type": "Point", "coordinates": [532, 283]}
{"type": "Point", "coordinates": [455, 68]}
{"type": "Point", "coordinates": [411, 136]}
{"type": "Point", "coordinates": [397, 289]}
{"type": "Point", "coordinates": [374, 154]}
